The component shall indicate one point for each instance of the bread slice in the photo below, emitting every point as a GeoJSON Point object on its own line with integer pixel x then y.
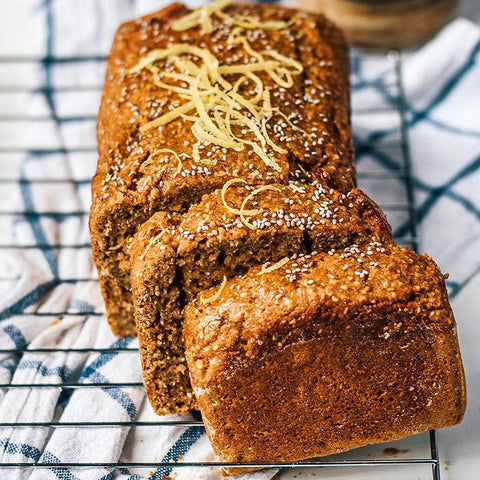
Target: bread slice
{"type": "Point", "coordinates": [142, 171]}
{"type": "Point", "coordinates": [327, 353]}
{"type": "Point", "coordinates": [174, 257]}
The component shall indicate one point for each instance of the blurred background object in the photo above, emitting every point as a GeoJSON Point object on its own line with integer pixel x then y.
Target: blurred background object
{"type": "Point", "coordinates": [386, 23]}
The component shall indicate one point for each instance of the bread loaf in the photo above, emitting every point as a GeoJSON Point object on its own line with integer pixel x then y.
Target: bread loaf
{"type": "Point", "coordinates": [225, 143]}
{"type": "Point", "coordinates": [145, 167]}
{"type": "Point", "coordinates": [174, 257]}
{"type": "Point", "coordinates": [326, 353]}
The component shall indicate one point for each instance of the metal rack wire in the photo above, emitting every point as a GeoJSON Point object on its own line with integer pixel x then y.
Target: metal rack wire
{"type": "Point", "coordinates": [403, 173]}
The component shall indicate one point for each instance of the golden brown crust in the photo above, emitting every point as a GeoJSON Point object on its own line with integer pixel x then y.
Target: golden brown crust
{"type": "Point", "coordinates": [369, 328]}
{"type": "Point", "coordinates": [188, 253]}
{"type": "Point", "coordinates": [125, 193]}
{"type": "Point", "coordinates": [305, 208]}
{"type": "Point", "coordinates": [319, 99]}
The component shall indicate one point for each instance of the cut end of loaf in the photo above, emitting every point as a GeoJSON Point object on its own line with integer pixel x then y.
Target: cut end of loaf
{"type": "Point", "coordinates": [174, 257]}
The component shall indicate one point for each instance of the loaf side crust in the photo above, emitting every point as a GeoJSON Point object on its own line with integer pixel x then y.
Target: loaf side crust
{"type": "Point", "coordinates": [326, 354]}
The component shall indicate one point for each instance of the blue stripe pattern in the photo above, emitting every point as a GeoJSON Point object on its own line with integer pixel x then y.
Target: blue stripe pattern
{"type": "Point", "coordinates": [180, 447]}
{"type": "Point", "coordinates": [29, 452]}
{"type": "Point", "coordinates": [61, 371]}
{"type": "Point", "coordinates": [16, 336]}
{"type": "Point", "coordinates": [81, 306]}
{"type": "Point", "coordinates": [91, 374]}
{"type": "Point", "coordinates": [31, 298]}
{"type": "Point", "coordinates": [8, 365]}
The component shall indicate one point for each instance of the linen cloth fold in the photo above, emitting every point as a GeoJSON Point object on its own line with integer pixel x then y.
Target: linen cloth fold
{"type": "Point", "coordinates": [441, 99]}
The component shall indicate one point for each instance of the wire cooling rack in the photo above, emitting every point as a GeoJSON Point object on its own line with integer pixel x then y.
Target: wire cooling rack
{"type": "Point", "coordinates": [429, 455]}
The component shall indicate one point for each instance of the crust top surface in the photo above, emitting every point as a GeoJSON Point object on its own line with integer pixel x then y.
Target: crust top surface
{"type": "Point", "coordinates": [317, 103]}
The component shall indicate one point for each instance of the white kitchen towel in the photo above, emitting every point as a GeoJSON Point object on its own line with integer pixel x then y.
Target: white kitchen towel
{"type": "Point", "coordinates": [440, 97]}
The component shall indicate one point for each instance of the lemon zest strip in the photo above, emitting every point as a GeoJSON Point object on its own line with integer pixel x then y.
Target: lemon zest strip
{"type": "Point", "coordinates": [273, 267]}
{"type": "Point", "coordinates": [216, 295]}
{"type": "Point", "coordinates": [244, 212]}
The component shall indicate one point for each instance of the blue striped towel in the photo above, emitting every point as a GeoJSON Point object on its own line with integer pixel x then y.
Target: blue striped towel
{"type": "Point", "coordinates": [441, 96]}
